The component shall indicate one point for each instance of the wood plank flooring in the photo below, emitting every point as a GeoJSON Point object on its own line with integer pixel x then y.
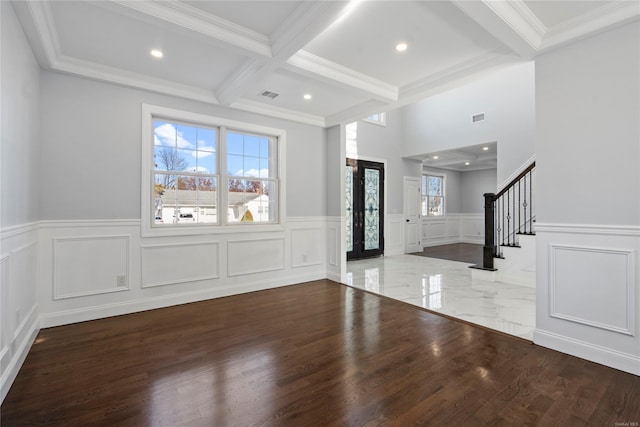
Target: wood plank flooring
{"type": "Point", "coordinates": [463, 252]}
{"type": "Point", "coordinates": [314, 354]}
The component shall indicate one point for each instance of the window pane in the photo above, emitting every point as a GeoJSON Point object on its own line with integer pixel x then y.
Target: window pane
{"type": "Point", "coordinates": [251, 146]}
{"type": "Point", "coordinates": [186, 136]}
{"type": "Point", "coordinates": [206, 162]}
{"type": "Point", "coordinates": [235, 165]}
{"type": "Point", "coordinates": [425, 189]}
{"type": "Point", "coordinates": [206, 140]}
{"type": "Point", "coordinates": [164, 134]}
{"type": "Point", "coordinates": [435, 186]}
{"type": "Point", "coordinates": [265, 152]}
{"type": "Point", "coordinates": [251, 166]}
{"type": "Point", "coordinates": [251, 200]}
{"type": "Point", "coordinates": [435, 205]}
{"type": "Point", "coordinates": [186, 160]}
{"type": "Point", "coordinates": [235, 143]}
{"type": "Point", "coordinates": [207, 205]}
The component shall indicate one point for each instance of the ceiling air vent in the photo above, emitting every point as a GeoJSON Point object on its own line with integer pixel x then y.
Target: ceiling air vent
{"type": "Point", "coordinates": [477, 118]}
{"type": "Point", "coordinates": [269, 94]}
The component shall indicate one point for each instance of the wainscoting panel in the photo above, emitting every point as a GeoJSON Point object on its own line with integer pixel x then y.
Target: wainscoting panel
{"type": "Point", "coordinates": [394, 234]}
{"type": "Point", "coordinates": [4, 306]}
{"type": "Point", "coordinates": [255, 256]}
{"type": "Point", "coordinates": [587, 291]}
{"type": "Point", "coordinates": [585, 282]}
{"type": "Point", "coordinates": [173, 263]}
{"type": "Point", "coordinates": [90, 265]}
{"type": "Point", "coordinates": [473, 228]}
{"type": "Point", "coordinates": [18, 298]}
{"type": "Point", "coordinates": [23, 272]}
{"type": "Point", "coordinates": [306, 247]}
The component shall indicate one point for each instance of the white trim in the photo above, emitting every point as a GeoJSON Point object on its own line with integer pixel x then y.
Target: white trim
{"type": "Point", "coordinates": [517, 172]}
{"type": "Point", "coordinates": [82, 223]}
{"type": "Point", "coordinates": [629, 329]}
{"type": "Point", "coordinates": [19, 356]}
{"type": "Point", "coordinates": [214, 27]}
{"type": "Point", "coordinates": [146, 200]}
{"type": "Point", "coordinates": [605, 356]}
{"type": "Point", "coordinates": [277, 112]}
{"type": "Point", "coordinates": [216, 261]}
{"type": "Point", "coordinates": [376, 88]}
{"type": "Point", "coordinates": [599, 229]}
{"type": "Point", "coordinates": [283, 266]}
{"type": "Point", "coordinates": [54, 279]}
{"type": "Point", "coordinates": [16, 230]}
{"type": "Point", "coordinates": [127, 307]}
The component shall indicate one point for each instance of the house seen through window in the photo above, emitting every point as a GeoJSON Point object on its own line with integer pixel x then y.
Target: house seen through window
{"type": "Point", "coordinates": [212, 175]}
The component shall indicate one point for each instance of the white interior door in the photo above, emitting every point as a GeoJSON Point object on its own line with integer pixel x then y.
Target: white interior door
{"type": "Point", "coordinates": [412, 224]}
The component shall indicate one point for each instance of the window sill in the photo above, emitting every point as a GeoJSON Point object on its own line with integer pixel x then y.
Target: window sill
{"type": "Point", "coordinates": [196, 230]}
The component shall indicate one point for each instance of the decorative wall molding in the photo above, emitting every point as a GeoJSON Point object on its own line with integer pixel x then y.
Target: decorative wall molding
{"type": "Point", "coordinates": [592, 229]}
{"type": "Point", "coordinates": [394, 234]}
{"type": "Point", "coordinates": [453, 228]}
{"type": "Point", "coordinates": [17, 230]}
{"type": "Point", "coordinates": [608, 273]}
{"type": "Point", "coordinates": [65, 273]}
{"type": "Point", "coordinates": [191, 258]}
{"type": "Point", "coordinates": [305, 251]}
{"type": "Point", "coordinates": [250, 256]}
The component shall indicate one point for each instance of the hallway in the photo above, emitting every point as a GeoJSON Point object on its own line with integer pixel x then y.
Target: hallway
{"type": "Point", "coordinates": [446, 287]}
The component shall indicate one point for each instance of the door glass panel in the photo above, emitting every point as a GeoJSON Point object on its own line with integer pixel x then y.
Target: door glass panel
{"type": "Point", "coordinates": [371, 213]}
{"type": "Point", "coordinates": [349, 205]}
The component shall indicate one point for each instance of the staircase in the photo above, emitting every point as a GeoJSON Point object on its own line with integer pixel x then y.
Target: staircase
{"type": "Point", "coordinates": [509, 252]}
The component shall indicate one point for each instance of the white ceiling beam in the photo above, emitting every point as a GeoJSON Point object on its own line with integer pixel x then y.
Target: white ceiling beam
{"type": "Point", "coordinates": [225, 33]}
{"type": "Point", "coordinates": [326, 70]}
{"type": "Point", "coordinates": [306, 22]}
{"type": "Point", "coordinates": [509, 22]}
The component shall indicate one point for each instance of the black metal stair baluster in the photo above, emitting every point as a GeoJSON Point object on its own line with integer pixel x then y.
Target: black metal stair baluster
{"type": "Point", "coordinates": [509, 217]}
{"type": "Point", "coordinates": [530, 202]}
{"type": "Point", "coordinates": [519, 209]}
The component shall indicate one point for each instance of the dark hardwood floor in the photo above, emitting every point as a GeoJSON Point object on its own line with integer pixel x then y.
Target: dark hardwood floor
{"type": "Point", "coordinates": [462, 252]}
{"type": "Point", "coordinates": [315, 354]}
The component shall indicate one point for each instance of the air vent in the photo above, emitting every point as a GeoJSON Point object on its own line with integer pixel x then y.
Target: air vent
{"type": "Point", "coordinates": [269, 94]}
{"type": "Point", "coordinates": [477, 118]}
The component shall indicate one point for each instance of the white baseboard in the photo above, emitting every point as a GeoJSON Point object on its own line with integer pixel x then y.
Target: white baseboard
{"type": "Point", "coordinates": [19, 356]}
{"type": "Point", "coordinates": [108, 310]}
{"type": "Point", "coordinates": [604, 356]}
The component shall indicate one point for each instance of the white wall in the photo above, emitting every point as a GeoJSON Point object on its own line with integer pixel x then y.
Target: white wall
{"type": "Point", "coordinates": [473, 184]}
{"type": "Point", "coordinates": [385, 142]}
{"type": "Point", "coordinates": [443, 121]}
{"type": "Point", "coordinates": [20, 185]}
{"type": "Point", "coordinates": [588, 186]}
{"type": "Point", "coordinates": [91, 150]}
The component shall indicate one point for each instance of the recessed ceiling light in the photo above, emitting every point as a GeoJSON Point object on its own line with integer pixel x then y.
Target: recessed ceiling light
{"type": "Point", "coordinates": [307, 96]}
{"type": "Point", "coordinates": [485, 148]}
{"type": "Point", "coordinates": [435, 157]}
{"type": "Point", "coordinates": [157, 53]}
{"type": "Point", "coordinates": [401, 47]}
{"type": "Point", "coordinates": [467, 163]}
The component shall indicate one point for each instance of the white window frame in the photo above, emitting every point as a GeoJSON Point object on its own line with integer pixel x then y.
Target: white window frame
{"type": "Point", "coordinates": [381, 120]}
{"type": "Point", "coordinates": [444, 195]}
{"type": "Point", "coordinates": [148, 226]}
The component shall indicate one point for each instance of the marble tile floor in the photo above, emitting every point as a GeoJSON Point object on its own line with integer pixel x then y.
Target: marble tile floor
{"type": "Point", "coordinates": [446, 287]}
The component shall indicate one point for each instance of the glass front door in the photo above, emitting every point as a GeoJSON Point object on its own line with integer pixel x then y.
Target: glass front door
{"type": "Point", "coordinates": [365, 208]}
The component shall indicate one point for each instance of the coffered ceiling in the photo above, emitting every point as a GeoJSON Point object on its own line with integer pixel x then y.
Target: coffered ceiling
{"type": "Point", "coordinates": [341, 53]}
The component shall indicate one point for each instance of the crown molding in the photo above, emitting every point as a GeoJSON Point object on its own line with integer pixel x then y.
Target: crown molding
{"type": "Point", "coordinates": [326, 69]}
{"type": "Point", "coordinates": [117, 76]}
{"type": "Point", "coordinates": [520, 18]}
{"type": "Point", "coordinates": [213, 27]}
{"type": "Point", "coordinates": [457, 75]}
{"type": "Point", "coordinates": [39, 27]}
{"type": "Point", "coordinates": [281, 113]}
{"type": "Point", "coordinates": [600, 19]}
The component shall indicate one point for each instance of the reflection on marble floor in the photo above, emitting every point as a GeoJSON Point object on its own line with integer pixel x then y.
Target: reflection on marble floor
{"type": "Point", "coordinates": [446, 287]}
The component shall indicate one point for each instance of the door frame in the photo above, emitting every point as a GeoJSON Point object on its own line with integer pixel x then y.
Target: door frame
{"type": "Point", "coordinates": [384, 201]}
